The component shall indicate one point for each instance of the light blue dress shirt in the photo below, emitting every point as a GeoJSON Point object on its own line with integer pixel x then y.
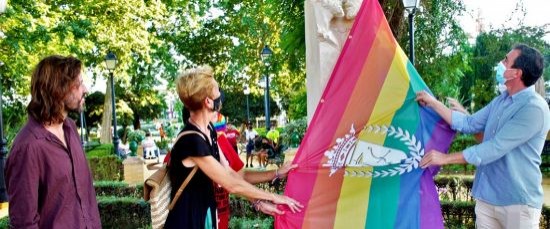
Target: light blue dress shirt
{"type": "Point", "coordinates": [509, 157]}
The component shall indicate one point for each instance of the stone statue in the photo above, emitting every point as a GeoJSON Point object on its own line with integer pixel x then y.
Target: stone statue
{"type": "Point", "coordinates": [328, 23]}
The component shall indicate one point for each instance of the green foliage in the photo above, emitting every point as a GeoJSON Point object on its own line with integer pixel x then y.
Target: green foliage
{"type": "Point", "coordinates": [5, 222]}
{"type": "Point", "coordinates": [297, 107]}
{"type": "Point", "coordinates": [106, 167]}
{"type": "Point", "coordinates": [261, 131]}
{"type": "Point", "coordinates": [461, 142]}
{"type": "Point", "coordinates": [136, 136]}
{"type": "Point", "coordinates": [297, 127]}
{"type": "Point", "coordinates": [440, 43]}
{"type": "Point", "coordinates": [491, 47]}
{"type": "Point", "coordinates": [100, 150]}
{"type": "Point", "coordinates": [162, 144]}
{"type": "Point", "coordinates": [454, 188]}
{"type": "Point", "coordinates": [94, 108]}
{"type": "Point", "coordinates": [170, 131]}
{"type": "Point", "coordinates": [117, 189]}
{"type": "Point", "coordinates": [458, 214]}
{"type": "Point", "coordinates": [244, 222]}
{"type": "Point", "coordinates": [14, 116]}
{"type": "Point", "coordinates": [234, 106]}
{"type": "Point", "coordinates": [124, 212]}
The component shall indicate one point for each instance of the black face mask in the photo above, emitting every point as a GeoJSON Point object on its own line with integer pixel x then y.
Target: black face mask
{"type": "Point", "coordinates": [217, 104]}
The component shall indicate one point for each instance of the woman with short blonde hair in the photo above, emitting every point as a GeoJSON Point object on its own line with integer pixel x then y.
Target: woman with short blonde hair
{"type": "Point", "coordinates": [196, 207]}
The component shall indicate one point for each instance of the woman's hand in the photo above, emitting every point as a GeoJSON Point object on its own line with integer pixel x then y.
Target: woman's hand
{"type": "Point", "coordinates": [294, 205]}
{"type": "Point", "coordinates": [287, 166]}
{"type": "Point", "coordinates": [456, 106]}
{"type": "Point", "coordinates": [269, 208]}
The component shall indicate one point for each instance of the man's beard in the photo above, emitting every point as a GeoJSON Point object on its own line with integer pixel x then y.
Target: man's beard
{"type": "Point", "coordinates": [76, 108]}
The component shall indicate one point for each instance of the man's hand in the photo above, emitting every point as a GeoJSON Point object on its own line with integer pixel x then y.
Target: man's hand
{"type": "Point", "coordinates": [433, 157]}
{"type": "Point", "coordinates": [426, 99]}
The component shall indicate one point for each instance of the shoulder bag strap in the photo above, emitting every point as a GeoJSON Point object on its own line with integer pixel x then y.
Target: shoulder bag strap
{"type": "Point", "coordinates": [182, 187]}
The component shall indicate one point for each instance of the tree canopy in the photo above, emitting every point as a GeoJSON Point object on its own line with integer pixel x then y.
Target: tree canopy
{"type": "Point", "coordinates": [155, 39]}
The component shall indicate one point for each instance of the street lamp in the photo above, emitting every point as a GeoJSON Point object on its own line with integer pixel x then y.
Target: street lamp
{"type": "Point", "coordinates": [110, 63]}
{"type": "Point", "coordinates": [265, 54]}
{"type": "Point", "coordinates": [411, 6]}
{"type": "Point", "coordinates": [3, 142]}
{"type": "Point", "coordinates": [247, 92]}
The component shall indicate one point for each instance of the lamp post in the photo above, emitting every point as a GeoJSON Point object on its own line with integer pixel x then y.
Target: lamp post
{"type": "Point", "coordinates": [3, 142]}
{"type": "Point", "coordinates": [110, 63]}
{"type": "Point", "coordinates": [265, 54]}
{"type": "Point", "coordinates": [247, 92]}
{"type": "Point", "coordinates": [411, 6]}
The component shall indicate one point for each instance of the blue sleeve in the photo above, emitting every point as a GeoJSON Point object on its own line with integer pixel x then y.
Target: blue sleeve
{"type": "Point", "coordinates": [513, 133]}
{"type": "Point", "coordinates": [470, 124]}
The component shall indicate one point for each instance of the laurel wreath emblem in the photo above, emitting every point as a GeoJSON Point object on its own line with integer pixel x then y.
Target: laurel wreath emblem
{"type": "Point", "coordinates": [412, 162]}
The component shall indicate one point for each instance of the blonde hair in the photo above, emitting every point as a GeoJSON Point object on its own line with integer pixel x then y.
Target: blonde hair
{"type": "Point", "coordinates": [194, 85]}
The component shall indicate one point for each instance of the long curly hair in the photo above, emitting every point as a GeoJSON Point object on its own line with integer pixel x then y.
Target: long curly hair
{"type": "Point", "coordinates": [51, 82]}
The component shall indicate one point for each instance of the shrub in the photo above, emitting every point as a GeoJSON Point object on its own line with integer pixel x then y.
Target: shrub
{"type": "Point", "coordinates": [458, 214]}
{"type": "Point", "coordinates": [117, 189]}
{"type": "Point", "coordinates": [124, 212]}
{"type": "Point", "coordinates": [454, 188]}
{"type": "Point", "coordinates": [5, 222]}
{"type": "Point", "coordinates": [101, 150]}
{"type": "Point", "coordinates": [106, 168]}
{"type": "Point", "coordinates": [240, 222]}
{"type": "Point", "coordinates": [136, 136]}
{"type": "Point", "coordinates": [294, 127]}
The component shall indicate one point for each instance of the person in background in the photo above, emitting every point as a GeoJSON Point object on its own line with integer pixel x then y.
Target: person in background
{"type": "Point", "coordinates": [47, 176]}
{"type": "Point", "coordinates": [250, 134]}
{"type": "Point", "coordinates": [149, 146]}
{"type": "Point", "coordinates": [232, 136]}
{"type": "Point", "coordinates": [273, 136]}
{"type": "Point", "coordinates": [196, 207]}
{"type": "Point", "coordinates": [507, 185]}
{"type": "Point", "coordinates": [124, 148]}
{"type": "Point", "coordinates": [253, 177]}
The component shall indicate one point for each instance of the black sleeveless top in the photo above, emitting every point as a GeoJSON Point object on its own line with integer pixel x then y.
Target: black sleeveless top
{"type": "Point", "coordinates": [196, 206]}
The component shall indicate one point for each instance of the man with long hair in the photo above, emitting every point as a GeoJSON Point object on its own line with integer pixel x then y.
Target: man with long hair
{"type": "Point", "coordinates": [47, 176]}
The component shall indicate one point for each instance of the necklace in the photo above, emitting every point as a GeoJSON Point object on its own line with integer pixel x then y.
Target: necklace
{"type": "Point", "coordinates": [197, 125]}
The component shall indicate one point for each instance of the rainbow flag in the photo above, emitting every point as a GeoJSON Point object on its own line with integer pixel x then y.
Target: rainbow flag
{"type": "Point", "coordinates": [359, 160]}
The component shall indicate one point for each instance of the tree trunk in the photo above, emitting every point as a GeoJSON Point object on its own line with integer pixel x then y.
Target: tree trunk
{"type": "Point", "coordinates": [137, 122]}
{"type": "Point", "coordinates": [107, 120]}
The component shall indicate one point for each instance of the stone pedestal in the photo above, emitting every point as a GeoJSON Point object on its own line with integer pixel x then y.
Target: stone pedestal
{"type": "Point", "coordinates": [134, 168]}
{"type": "Point", "coordinates": [140, 151]}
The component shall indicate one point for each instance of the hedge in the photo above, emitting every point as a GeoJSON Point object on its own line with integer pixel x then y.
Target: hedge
{"type": "Point", "coordinates": [124, 212]}
{"type": "Point", "coordinates": [132, 211]}
{"type": "Point", "coordinates": [99, 150]}
{"type": "Point", "coordinates": [115, 212]}
{"type": "Point", "coordinates": [129, 212]}
{"type": "Point", "coordinates": [117, 189]}
{"type": "Point", "coordinates": [106, 168]}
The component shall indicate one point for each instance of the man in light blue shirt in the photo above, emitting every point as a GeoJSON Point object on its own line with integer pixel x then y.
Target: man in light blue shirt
{"type": "Point", "coordinates": [507, 185]}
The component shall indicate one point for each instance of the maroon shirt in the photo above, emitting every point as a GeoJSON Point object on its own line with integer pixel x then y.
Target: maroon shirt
{"type": "Point", "coordinates": [50, 186]}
